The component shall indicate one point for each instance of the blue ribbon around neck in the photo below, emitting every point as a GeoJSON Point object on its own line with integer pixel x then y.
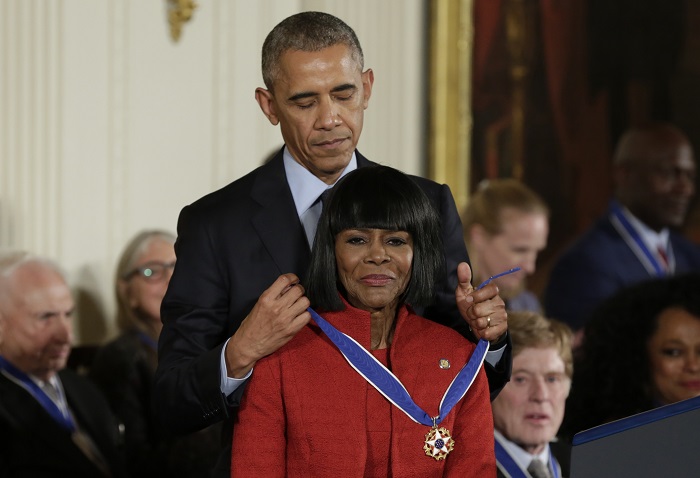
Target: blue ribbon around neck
{"type": "Point", "coordinates": [388, 385]}
{"type": "Point", "coordinates": [147, 340]}
{"type": "Point", "coordinates": [511, 467]}
{"type": "Point", "coordinates": [22, 379]}
{"type": "Point", "coordinates": [632, 237]}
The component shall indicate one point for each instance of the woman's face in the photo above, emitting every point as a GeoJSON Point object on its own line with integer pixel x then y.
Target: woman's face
{"type": "Point", "coordinates": [146, 288]}
{"type": "Point", "coordinates": [374, 266]}
{"type": "Point", "coordinates": [674, 356]}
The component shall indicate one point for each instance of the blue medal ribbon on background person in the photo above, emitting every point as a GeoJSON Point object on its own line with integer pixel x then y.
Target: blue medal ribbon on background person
{"type": "Point", "coordinates": [509, 465]}
{"type": "Point", "coordinates": [62, 417]}
{"type": "Point", "coordinates": [147, 340]}
{"type": "Point", "coordinates": [634, 241]}
{"type": "Point", "coordinates": [391, 387]}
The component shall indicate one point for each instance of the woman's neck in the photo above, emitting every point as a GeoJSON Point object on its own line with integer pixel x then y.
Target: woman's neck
{"type": "Point", "coordinates": [152, 329]}
{"type": "Point", "coordinates": [382, 328]}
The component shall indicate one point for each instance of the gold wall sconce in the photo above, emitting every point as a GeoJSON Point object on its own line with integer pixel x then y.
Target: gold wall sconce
{"type": "Point", "coordinates": [179, 12]}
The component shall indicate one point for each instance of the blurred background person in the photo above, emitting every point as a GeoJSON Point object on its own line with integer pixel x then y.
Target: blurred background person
{"type": "Point", "coordinates": [52, 421]}
{"type": "Point", "coordinates": [530, 408]}
{"type": "Point", "coordinates": [506, 225]}
{"type": "Point", "coordinates": [124, 368]}
{"type": "Point", "coordinates": [641, 350]}
{"type": "Point", "coordinates": [654, 173]}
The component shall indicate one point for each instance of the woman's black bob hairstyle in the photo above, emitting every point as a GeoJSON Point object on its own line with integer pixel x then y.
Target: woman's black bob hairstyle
{"type": "Point", "coordinates": [376, 197]}
{"type": "Point", "coordinates": [612, 378]}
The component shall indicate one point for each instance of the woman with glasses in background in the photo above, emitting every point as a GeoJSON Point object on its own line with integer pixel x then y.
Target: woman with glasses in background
{"type": "Point", "coordinates": [124, 368]}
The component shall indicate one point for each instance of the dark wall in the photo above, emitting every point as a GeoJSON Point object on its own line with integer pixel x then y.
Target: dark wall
{"type": "Point", "coordinates": [555, 84]}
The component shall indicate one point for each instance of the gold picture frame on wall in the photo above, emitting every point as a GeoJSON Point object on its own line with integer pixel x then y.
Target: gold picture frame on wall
{"type": "Point", "coordinates": [450, 47]}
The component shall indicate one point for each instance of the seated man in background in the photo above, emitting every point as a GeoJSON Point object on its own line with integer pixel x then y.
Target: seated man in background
{"type": "Point", "coordinates": [654, 173]}
{"type": "Point", "coordinates": [505, 226]}
{"type": "Point", "coordinates": [52, 421]}
{"type": "Point", "coordinates": [530, 408]}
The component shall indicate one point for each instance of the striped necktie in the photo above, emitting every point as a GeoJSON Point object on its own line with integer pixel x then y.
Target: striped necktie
{"type": "Point", "coordinates": [538, 469]}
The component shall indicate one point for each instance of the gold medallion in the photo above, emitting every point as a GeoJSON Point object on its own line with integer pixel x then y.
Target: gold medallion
{"type": "Point", "coordinates": [438, 443]}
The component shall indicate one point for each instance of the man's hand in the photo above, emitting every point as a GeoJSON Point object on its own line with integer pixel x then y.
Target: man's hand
{"type": "Point", "coordinates": [277, 316]}
{"type": "Point", "coordinates": [483, 309]}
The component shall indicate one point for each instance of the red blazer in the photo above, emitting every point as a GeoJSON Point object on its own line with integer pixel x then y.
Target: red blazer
{"type": "Point", "coordinates": [304, 410]}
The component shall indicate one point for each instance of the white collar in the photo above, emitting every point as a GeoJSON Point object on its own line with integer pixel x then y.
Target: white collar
{"type": "Point", "coordinates": [652, 239]}
{"type": "Point", "coordinates": [53, 380]}
{"type": "Point", "coordinates": [520, 456]}
{"type": "Point", "coordinates": [306, 187]}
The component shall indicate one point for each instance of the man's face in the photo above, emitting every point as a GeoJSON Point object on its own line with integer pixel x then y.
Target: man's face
{"type": "Point", "coordinates": [37, 321]}
{"type": "Point", "coordinates": [523, 237]}
{"type": "Point", "coordinates": [530, 408]}
{"type": "Point", "coordinates": [658, 189]}
{"type": "Point", "coordinates": [319, 100]}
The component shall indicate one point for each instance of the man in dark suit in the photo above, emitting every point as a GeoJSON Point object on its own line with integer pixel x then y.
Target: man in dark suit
{"type": "Point", "coordinates": [654, 172]}
{"type": "Point", "coordinates": [235, 295]}
{"type": "Point", "coordinates": [52, 421]}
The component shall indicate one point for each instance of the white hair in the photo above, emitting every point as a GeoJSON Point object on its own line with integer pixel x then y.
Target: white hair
{"type": "Point", "coordinates": [11, 261]}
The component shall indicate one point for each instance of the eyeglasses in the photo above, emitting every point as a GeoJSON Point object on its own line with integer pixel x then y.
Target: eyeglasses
{"type": "Point", "coordinates": [151, 271]}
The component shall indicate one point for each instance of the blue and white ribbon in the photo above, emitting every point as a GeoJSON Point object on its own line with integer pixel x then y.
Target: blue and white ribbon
{"type": "Point", "coordinates": [62, 417]}
{"type": "Point", "coordinates": [634, 241]}
{"type": "Point", "coordinates": [510, 468]}
{"type": "Point", "coordinates": [388, 385]}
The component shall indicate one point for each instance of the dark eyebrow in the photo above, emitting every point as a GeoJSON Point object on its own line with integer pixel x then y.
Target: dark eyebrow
{"type": "Point", "coordinates": [310, 94]}
{"type": "Point", "coordinates": [301, 96]}
{"type": "Point", "coordinates": [344, 87]}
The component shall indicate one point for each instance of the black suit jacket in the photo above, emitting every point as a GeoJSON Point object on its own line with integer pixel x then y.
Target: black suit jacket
{"type": "Point", "coordinates": [33, 445]}
{"type": "Point", "coordinates": [598, 265]}
{"type": "Point", "coordinates": [232, 245]}
{"type": "Point", "coordinates": [123, 370]}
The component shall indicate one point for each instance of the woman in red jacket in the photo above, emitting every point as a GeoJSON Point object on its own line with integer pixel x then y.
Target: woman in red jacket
{"type": "Point", "coordinates": [370, 388]}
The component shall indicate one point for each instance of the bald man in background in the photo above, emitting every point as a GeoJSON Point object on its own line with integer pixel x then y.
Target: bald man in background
{"type": "Point", "coordinates": [636, 240]}
{"type": "Point", "coordinates": [52, 421]}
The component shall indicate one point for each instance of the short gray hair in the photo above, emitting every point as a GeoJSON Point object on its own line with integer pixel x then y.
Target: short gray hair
{"type": "Point", "coordinates": [9, 261]}
{"type": "Point", "coordinates": [13, 260]}
{"type": "Point", "coordinates": [306, 31]}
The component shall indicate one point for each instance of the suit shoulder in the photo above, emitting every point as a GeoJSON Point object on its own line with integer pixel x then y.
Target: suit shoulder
{"type": "Point", "coordinates": [77, 383]}
{"type": "Point", "coordinates": [680, 241]}
{"type": "Point", "coordinates": [427, 185]}
{"type": "Point", "coordinates": [120, 354]}
{"type": "Point", "coordinates": [685, 251]}
{"type": "Point", "coordinates": [232, 192]}
{"type": "Point", "coordinates": [593, 243]}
